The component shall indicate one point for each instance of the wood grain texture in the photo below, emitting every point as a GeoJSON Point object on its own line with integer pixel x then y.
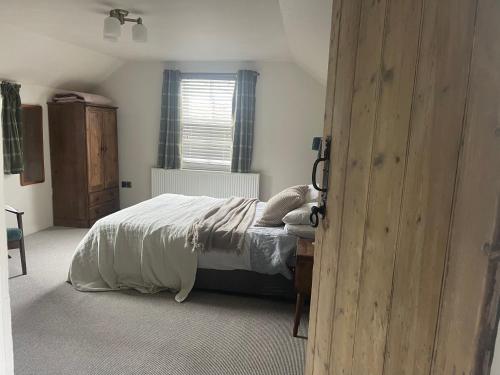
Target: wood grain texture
{"type": "Point", "coordinates": [110, 145]}
{"type": "Point", "coordinates": [95, 149]}
{"type": "Point", "coordinates": [367, 75]}
{"type": "Point", "coordinates": [80, 134]}
{"type": "Point", "coordinates": [402, 284]}
{"type": "Point", "coordinates": [68, 159]}
{"type": "Point", "coordinates": [311, 352]}
{"type": "Point", "coordinates": [303, 266]}
{"type": "Point", "coordinates": [388, 161]}
{"type": "Point", "coordinates": [438, 110]}
{"type": "Point", "coordinates": [339, 122]}
{"type": "Point", "coordinates": [103, 196]}
{"type": "Point", "coordinates": [469, 286]}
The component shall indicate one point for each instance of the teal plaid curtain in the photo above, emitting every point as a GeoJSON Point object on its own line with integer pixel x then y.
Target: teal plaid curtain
{"type": "Point", "coordinates": [169, 148]}
{"type": "Point", "coordinates": [243, 116]}
{"type": "Point", "coordinates": [11, 128]}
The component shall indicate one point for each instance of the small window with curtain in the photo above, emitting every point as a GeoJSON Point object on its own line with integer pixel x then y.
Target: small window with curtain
{"type": "Point", "coordinates": [206, 121]}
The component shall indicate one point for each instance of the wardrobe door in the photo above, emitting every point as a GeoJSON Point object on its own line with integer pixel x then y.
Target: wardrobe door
{"type": "Point", "coordinates": [68, 152]}
{"type": "Point", "coordinates": [110, 146]}
{"type": "Point", "coordinates": [95, 165]}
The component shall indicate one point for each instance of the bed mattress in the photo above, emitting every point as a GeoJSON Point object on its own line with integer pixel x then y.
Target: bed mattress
{"type": "Point", "coordinates": [267, 250]}
{"type": "Point", "coordinates": [144, 247]}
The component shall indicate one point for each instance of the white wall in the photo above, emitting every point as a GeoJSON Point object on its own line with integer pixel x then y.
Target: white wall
{"type": "Point", "coordinates": [136, 89]}
{"type": "Point", "coordinates": [289, 112]}
{"type": "Point", "coordinates": [40, 60]}
{"type": "Point", "coordinates": [35, 200]}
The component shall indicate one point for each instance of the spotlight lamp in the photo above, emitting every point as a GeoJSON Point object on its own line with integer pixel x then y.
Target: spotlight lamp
{"type": "Point", "coordinates": [114, 22]}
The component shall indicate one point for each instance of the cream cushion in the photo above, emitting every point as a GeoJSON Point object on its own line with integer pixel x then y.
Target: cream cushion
{"type": "Point", "coordinates": [281, 204]}
{"type": "Point", "coordinates": [312, 194]}
{"type": "Point", "coordinates": [299, 216]}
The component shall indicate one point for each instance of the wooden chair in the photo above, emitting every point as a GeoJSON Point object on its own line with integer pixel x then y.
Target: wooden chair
{"type": "Point", "coordinates": [15, 236]}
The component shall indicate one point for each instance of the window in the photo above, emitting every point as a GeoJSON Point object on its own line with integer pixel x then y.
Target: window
{"type": "Point", "coordinates": [206, 121]}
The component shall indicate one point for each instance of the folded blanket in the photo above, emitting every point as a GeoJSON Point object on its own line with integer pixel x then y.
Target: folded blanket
{"type": "Point", "coordinates": [223, 227]}
{"type": "Point", "coordinates": [76, 96]}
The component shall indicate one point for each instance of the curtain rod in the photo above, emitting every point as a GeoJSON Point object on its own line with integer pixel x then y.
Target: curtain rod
{"type": "Point", "coordinates": [211, 74]}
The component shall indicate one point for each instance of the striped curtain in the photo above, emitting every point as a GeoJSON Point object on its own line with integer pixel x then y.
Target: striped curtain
{"type": "Point", "coordinates": [169, 148]}
{"type": "Point", "coordinates": [11, 128]}
{"type": "Point", "coordinates": [243, 116]}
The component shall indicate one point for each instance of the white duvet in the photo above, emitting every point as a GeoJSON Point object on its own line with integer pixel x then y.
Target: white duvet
{"type": "Point", "coordinates": [121, 250]}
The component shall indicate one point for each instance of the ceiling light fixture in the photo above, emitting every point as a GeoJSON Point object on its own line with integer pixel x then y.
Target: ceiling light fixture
{"type": "Point", "coordinates": [113, 23]}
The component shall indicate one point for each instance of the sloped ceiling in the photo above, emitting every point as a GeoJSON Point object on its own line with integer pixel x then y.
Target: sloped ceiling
{"type": "Point", "coordinates": [36, 59]}
{"type": "Point", "coordinates": [307, 27]}
{"type": "Point", "coordinates": [59, 34]}
{"type": "Point", "coordinates": [178, 29]}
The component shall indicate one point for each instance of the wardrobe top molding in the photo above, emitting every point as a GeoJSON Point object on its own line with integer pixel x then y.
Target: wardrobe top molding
{"type": "Point", "coordinates": [87, 104]}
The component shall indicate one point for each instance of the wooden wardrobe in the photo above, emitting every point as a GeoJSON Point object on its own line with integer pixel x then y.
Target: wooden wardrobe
{"type": "Point", "coordinates": [84, 161]}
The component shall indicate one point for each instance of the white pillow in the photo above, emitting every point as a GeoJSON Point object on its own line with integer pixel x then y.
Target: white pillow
{"type": "Point", "coordinates": [299, 216]}
{"type": "Point", "coordinates": [281, 204]}
{"type": "Point", "coordinates": [312, 194]}
{"type": "Point", "coordinates": [303, 231]}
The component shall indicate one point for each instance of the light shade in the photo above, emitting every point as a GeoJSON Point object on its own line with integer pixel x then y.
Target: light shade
{"type": "Point", "coordinates": [112, 28]}
{"type": "Point", "coordinates": [139, 33]}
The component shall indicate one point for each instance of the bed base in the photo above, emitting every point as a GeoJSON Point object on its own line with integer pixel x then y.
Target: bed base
{"type": "Point", "coordinates": [245, 282]}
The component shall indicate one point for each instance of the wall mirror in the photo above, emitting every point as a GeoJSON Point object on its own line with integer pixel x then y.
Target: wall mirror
{"type": "Point", "coordinates": [32, 127]}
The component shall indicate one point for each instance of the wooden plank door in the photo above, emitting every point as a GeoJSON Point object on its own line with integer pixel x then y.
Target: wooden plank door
{"type": "Point", "coordinates": [95, 165]}
{"type": "Point", "coordinates": [470, 304]}
{"type": "Point", "coordinates": [110, 146]}
{"type": "Point", "coordinates": [398, 87]}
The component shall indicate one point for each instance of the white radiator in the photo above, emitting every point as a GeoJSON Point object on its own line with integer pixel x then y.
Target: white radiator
{"type": "Point", "coordinates": [208, 183]}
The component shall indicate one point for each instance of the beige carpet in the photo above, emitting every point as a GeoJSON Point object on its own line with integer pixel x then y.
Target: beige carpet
{"type": "Point", "coordinates": [58, 330]}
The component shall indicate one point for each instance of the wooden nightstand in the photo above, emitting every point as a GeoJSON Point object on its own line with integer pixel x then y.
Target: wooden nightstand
{"type": "Point", "coordinates": [303, 277]}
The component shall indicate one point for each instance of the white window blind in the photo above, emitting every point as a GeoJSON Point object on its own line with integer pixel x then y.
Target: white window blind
{"type": "Point", "coordinates": [206, 121]}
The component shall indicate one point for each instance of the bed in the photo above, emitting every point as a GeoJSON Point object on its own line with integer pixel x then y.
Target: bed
{"type": "Point", "coordinates": [143, 247]}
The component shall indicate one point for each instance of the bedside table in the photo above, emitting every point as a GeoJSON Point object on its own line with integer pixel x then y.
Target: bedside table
{"type": "Point", "coordinates": [303, 277]}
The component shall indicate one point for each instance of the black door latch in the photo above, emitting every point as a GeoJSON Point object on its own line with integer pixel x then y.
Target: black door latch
{"type": "Point", "coordinates": [323, 157]}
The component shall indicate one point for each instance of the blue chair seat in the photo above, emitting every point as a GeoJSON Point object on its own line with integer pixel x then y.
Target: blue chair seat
{"type": "Point", "coordinates": [14, 234]}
